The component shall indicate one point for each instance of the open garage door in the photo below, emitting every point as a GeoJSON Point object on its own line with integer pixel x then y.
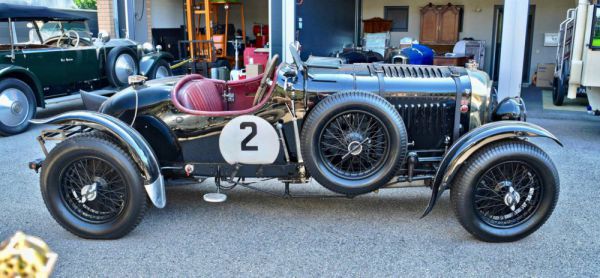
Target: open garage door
{"type": "Point", "coordinates": [326, 26]}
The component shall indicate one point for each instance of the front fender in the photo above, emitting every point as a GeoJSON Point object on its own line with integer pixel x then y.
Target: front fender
{"type": "Point", "coordinates": [148, 61]}
{"type": "Point", "coordinates": [473, 141]}
{"type": "Point", "coordinates": [129, 138]}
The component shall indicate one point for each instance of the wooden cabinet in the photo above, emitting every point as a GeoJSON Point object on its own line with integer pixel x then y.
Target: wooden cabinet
{"type": "Point", "coordinates": [439, 24]}
{"type": "Point", "coordinates": [377, 25]}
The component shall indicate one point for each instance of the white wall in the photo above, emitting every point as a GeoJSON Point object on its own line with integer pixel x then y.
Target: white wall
{"type": "Point", "coordinates": [479, 22]}
{"type": "Point", "coordinates": [167, 13]}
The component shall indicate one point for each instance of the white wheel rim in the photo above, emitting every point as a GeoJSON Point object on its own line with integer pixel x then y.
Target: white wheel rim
{"type": "Point", "coordinates": [14, 107]}
{"type": "Point", "coordinates": [124, 67]}
{"type": "Point", "coordinates": [162, 72]}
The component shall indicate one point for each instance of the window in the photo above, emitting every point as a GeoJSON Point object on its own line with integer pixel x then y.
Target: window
{"type": "Point", "coordinates": [595, 37]}
{"type": "Point", "coordinates": [399, 16]}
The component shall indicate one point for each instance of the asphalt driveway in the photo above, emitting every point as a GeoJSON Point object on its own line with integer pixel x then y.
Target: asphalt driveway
{"type": "Point", "coordinates": [378, 234]}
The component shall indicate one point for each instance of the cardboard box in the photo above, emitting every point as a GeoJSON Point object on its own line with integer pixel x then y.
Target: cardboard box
{"type": "Point", "coordinates": [545, 75]}
{"type": "Point", "coordinates": [254, 70]}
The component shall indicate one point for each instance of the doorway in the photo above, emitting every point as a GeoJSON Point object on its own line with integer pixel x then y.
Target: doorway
{"type": "Point", "coordinates": [497, 42]}
{"type": "Point", "coordinates": [325, 27]}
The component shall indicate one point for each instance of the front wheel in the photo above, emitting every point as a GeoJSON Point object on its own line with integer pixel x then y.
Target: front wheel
{"type": "Point", "coordinates": [559, 92]}
{"type": "Point", "coordinates": [353, 142]}
{"type": "Point", "coordinates": [161, 70]}
{"type": "Point", "coordinates": [506, 191]}
{"type": "Point", "coordinates": [17, 106]}
{"type": "Point", "coordinates": [93, 188]}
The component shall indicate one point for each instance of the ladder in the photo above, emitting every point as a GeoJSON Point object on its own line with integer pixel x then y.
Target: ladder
{"type": "Point", "coordinates": [565, 43]}
{"type": "Point", "coordinates": [204, 46]}
{"type": "Point", "coordinates": [196, 11]}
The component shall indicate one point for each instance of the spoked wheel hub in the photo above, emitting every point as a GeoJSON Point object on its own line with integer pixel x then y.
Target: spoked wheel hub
{"type": "Point", "coordinates": [508, 194]}
{"type": "Point", "coordinates": [93, 190]}
{"type": "Point", "coordinates": [354, 144]}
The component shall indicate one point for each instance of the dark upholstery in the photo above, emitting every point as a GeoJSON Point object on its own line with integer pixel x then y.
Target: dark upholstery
{"type": "Point", "coordinates": [201, 95]}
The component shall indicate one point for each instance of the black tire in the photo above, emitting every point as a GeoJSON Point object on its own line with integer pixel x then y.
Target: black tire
{"type": "Point", "coordinates": [383, 147]}
{"type": "Point", "coordinates": [112, 73]}
{"type": "Point", "coordinates": [111, 165]}
{"type": "Point", "coordinates": [559, 91]}
{"type": "Point", "coordinates": [523, 217]}
{"type": "Point", "coordinates": [19, 96]}
{"type": "Point", "coordinates": [161, 64]}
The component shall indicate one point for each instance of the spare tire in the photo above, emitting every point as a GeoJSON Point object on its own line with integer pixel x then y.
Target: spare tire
{"type": "Point", "coordinates": [122, 62]}
{"type": "Point", "coordinates": [353, 142]}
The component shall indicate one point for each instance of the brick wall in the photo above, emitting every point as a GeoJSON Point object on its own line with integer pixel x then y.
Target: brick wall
{"type": "Point", "coordinates": [105, 16]}
{"type": "Point", "coordinates": [149, 18]}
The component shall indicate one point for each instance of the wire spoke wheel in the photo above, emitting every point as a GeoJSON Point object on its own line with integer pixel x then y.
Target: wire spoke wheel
{"type": "Point", "coordinates": [508, 194]}
{"type": "Point", "coordinates": [354, 144]}
{"type": "Point", "coordinates": [93, 190]}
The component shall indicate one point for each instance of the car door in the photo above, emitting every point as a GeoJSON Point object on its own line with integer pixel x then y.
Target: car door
{"type": "Point", "coordinates": [82, 64]}
{"type": "Point", "coordinates": [46, 64]}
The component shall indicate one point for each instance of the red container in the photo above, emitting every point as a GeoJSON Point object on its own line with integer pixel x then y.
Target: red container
{"type": "Point", "coordinates": [258, 57]}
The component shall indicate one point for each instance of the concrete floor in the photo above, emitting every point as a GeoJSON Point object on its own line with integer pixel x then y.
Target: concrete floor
{"type": "Point", "coordinates": [373, 235]}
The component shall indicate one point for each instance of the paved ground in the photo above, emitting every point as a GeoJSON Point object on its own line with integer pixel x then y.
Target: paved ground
{"type": "Point", "coordinates": [372, 235]}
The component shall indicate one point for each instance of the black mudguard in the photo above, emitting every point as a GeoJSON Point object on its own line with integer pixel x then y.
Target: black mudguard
{"type": "Point", "coordinates": [476, 139]}
{"type": "Point", "coordinates": [131, 139]}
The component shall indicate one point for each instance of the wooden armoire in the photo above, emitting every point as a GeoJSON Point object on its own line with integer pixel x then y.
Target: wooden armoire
{"type": "Point", "coordinates": [439, 24]}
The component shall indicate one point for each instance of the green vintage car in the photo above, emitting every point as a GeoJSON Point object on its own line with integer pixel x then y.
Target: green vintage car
{"type": "Point", "coordinates": [46, 53]}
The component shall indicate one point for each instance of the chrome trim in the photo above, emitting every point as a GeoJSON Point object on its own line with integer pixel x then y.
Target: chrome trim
{"type": "Point", "coordinates": [135, 143]}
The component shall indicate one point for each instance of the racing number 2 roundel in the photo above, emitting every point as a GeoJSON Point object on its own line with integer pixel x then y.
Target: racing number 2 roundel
{"type": "Point", "coordinates": [249, 140]}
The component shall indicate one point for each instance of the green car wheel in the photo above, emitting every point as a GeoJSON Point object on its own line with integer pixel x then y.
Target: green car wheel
{"type": "Point", "coordinates": [17, 106]}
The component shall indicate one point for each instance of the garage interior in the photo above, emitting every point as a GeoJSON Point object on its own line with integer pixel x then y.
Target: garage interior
{"type": "Point", "coordinates": [393, 31]}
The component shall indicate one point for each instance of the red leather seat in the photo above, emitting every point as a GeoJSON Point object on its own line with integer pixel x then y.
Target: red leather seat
{"type": "Point", "coordinates": [201, 95]}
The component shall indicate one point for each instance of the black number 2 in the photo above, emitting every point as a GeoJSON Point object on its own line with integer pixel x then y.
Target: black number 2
{"type": "Point", "coordinates": [250, 136]}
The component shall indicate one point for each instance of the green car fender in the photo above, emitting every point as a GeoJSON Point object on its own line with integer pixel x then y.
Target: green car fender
{"type": "Point", "coordinates": [26, 76]}
{"type": "Point", "coordinates": [148, 62]}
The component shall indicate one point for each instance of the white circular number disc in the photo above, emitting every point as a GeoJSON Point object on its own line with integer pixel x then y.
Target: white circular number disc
{"type": "Point", "coordinates": [249, 140]}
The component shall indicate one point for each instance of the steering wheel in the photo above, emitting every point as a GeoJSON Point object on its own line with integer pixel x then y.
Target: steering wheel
{"type": "Point", "coordinates": [69, 35]}
{"type": "Point", "coordinates": [264, 82]}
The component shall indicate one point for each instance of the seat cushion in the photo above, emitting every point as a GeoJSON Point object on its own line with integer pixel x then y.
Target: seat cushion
{"type": "Point", "coordinates": [201, 95]}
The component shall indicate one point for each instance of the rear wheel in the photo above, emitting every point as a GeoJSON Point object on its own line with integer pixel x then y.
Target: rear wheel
{"type": "Point", "coordinates": [559, 91]}
{"type": "Point", "coordinates": [505, 191]}
{"type": "Point", "coordinates": [17, 106]}
{"type": "Point", "coordinates": [353, 142]}
{"type": "Point", "coordinates": [92, 188]}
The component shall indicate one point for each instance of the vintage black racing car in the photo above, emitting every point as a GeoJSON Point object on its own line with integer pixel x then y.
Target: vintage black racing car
{"type": "Point", "coordinates": [352, 128]}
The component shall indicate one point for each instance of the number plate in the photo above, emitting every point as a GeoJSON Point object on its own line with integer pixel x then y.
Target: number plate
{"type": "Point", "coordinates": [249, 140]}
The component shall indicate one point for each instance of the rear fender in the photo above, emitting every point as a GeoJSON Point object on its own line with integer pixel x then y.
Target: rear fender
{"type": "Point", "coordinates": [473, 141]}
{"type": "Point", "coordinates": [26, 76]}
{"type": "Point", "coordinates": [128, 137]}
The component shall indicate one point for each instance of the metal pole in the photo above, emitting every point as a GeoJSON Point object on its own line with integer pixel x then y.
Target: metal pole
{"type": "Point", "coordinates": [514, 34]}
{"type": "Point", "coordinates": [12, 39]}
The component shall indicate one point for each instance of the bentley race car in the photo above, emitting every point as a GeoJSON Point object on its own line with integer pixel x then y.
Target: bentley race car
{"type": "Point", "coordinates": [352, 128]}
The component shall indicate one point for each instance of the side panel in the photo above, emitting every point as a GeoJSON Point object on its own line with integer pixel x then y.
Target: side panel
{"type": "Point", "coordinates": [46, 64]}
